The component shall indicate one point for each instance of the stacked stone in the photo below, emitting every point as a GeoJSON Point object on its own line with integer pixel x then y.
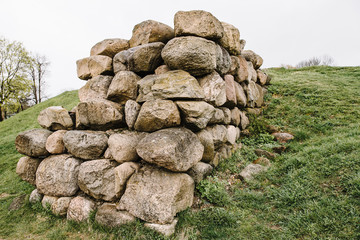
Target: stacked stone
{"type": "Point", "coordinates": [156, 114]}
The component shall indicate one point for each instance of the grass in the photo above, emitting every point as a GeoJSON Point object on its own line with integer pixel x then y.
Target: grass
{"type": "Point", "coordinates": [311, 191]}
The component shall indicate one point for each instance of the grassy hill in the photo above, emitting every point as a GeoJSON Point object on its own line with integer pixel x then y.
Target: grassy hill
{"type": "Point", "coordinates": [311, 191]}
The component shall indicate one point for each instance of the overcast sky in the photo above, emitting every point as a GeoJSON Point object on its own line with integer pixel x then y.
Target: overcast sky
{"type": "Point", "coordinates": [281, 31]}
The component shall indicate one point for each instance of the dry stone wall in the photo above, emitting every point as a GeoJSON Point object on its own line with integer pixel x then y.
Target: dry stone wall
{"type": "Point", "coordinates": [157, 113]}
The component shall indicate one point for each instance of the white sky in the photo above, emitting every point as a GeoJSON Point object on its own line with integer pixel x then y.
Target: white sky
{"type": "Point", "coordinates": [281, 31]}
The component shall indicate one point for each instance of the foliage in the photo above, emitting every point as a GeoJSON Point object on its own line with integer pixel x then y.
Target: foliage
{"type": "Point", "coordinates": [214, 191]}
{"type": "Point", "coordinates": [316, 61]}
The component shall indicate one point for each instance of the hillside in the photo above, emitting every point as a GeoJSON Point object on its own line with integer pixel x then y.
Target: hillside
{"type": "Point", "coordinates": [311, 191]}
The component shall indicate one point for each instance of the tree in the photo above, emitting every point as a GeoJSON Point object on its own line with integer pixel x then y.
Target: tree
{"type": "Point", "coordinates": [37, 70]}
{"type": "Point", "coordinates": [14, 82]}
{"type": "Point", "coordinates": [316, 61]}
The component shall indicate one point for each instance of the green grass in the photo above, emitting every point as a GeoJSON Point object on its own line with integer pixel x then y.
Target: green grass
{"type": "Point", "coordinates": [311, 191]}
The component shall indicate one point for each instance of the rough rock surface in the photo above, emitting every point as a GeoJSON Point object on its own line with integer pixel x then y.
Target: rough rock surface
{"type": "Point", "coordinates": [240, 95]}
{"type": "Point", "coordinates": [206, 140]}
{"type": "Point", "coordinates": [97, 179]}
{"type": "Point", "coordinates": [251, 170]}
{"type": "Point", "coordinates": [283, 137]}
{"type": "Point", "coordinates": [123, 146]}
{"type": "Point", "coordinates": [26, 169]}
{"type": "Point", "coordinates": [235, 116]}
{"type": "Point", "coordinates": [80, 208]}
{"type": "Point", "coordinates": [32, 142]}
{"type": "Point", "coordinates": [176, 149]}
{"type": "Point", "coordinates": [109, 216]}
{"type": "Point", "coordinates": [157, 114]}
{"type": "Point", "coordinates": [214, 88]}
{"type": "Point", "coordinates": [223, 60]}
{"type": "Point", "coordinates": [231, 134]}
{"type": "Point", "coordinates": [143, 58]}
{"type": "Point", "coordinates": [199, 171]}
{"type": "Point", "coordinates": [253, 94]}
{"type": "Point", "coordinates": [47, 201]}
{"type": "Point", "coordinates": [261, 152]}
{"type": "Point", "coordinates": [85, 144]}
{"type": "Point", "coordinates": [218, 117]}
{"type": "Point", "coordinates": [57, 175]}
{"type": "Point", "coordinates": [55, 118]}
{"type": "Point", "coordinates": [93, 66]}
{"type": "Point", "coordinates": [193, 54]}
{"type": "Point", "coordinates": [231, 100]}
{"type": "Point", "coordinates": [95, 88]}
{"type": "Point", "coordinates": [255, 59]}
{"type": "Point", "coordinates": [219, 134]}
{"type": "Point", "coordinates": [132, 109]}
{"type": "Point", "coordinates": [198, 23]}
{"type": "Point", "coordinates": [150, 31]}
{"type": "Point", "coordinates": [35, 196]}
{"type": "Point", "coordinates": [244, 120]}
{"type": "Point", "coordinates": [109, 47]}
{"type": "Point", "coordinates": [196, 114]}
{"type": "Point", "coordinates": [165, 229]}
{"type": "Point", "coordinates": [231, 39]}
{"type": "Point", "coordinates": [227, 115]}
{"type": "Point", "coordinates": [156, 195]}
{"type": "Point", "coordinates": [261, 77]}
{"type": "Point", "coordinates": [175, 84]}
{"type": "Point", "coordinates": [99, 115]}
{"type": "Point", "coordinates": [123, 87]}
{"type": "Point", "coordinates": [122, 174]}
{"type": "Point", "coordinates": [242, 73]}
{"type": "Point", "coordinates": [61, 205]}
{"type": "Point", "coordinates": [162, 69]}
{"type": "Point", "coordinates": [55, 143]}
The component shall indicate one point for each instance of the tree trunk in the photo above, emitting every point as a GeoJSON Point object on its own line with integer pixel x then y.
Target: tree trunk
{"type": "Point", "coordinates": [1, 114]}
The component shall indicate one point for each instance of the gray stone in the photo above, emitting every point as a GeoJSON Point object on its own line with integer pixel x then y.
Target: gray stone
{"type": "Point", "coordinates": [250, 171]}
{"type": "Point", "coordinates": [35, 196]}
{"type": "Point", "coordinates": [214, 88]}
{"type": "Point", "coordinates": [196, 114]}
{"type": "Point", "coordinates": [32, 142]}
{"type": "Point", "coordinates": [235, 64]}
{"type": "Point", "coordinates": [261, 77]}
{"type": "Point", "coordinates": [162, 69]}
{"type": "Point", "coordinates": [244, 120]}
{"type": "Point", "coordinates": [219, 134]}
{"type": "Point", "coordinates": [240, 95]}
{"type": "Point", "coordinates": [109, 47]}
{"type": "Point", "coordinates": [150, 31]}
{"type": "Point", "coordinates": [262, 161]}
{"type": "Point", "coordinates": [231, 134]}
{"type": "Point", "coordinates": [176, 149]}
{"type": "Point", "coordinates": [122, 174]}
{"type": "Point", "coordinates": [55, 143]}
{"type": "Point", "coordinates": [95, 88]}
{"type": "Point", "coordinates": [156, 195]}
{"type": "Point", "coordinates": [99, 115]}
{"type": "Point", "coordinates": [198, 23]}
{"type": "Point", "coordinates": [143, 58]}
{"type": "Point", "coordinates": [176, 84]}
{"type": "Point", "coordinates": [231, 39]}
{"type": "Point", "coordinates": [86, 144]}
{"type": "Point", "coordinates": [207, 141]}
{"type": "Point", "coordinates": [123, 146]}
{"type": "Point", "coordinates": [235, 116]}
{"type": "Point", "coordinates": [164, 229]}
{"type": "Point", "coordinates": [80, 208]}
{"type": "Point", "coordinates": [200, 171]}
{"type": "Point", "coordinates": [157, 114]}
{"type": "Point", "coordinates": [26, 169]}
{"type": "Point", "coordinates": [223, 60]}
{"type": "Point", "coordinates": [108, 216]}
{"type": "Point", "coordinates": [218, 117]}
{"type": "Point", "coordinates": [242, 73]}
{"type": "Point", "coordinates": [231, 100]}
{"type": "Point", "coordinates": [48, 201]}
{"type": "Point", "coordinates": [283, 137]}
{"type": "Point", "coordinates": [57, 175]}
{"type": "Point", "coordinates": [93, 66]}
{"type": "Point", "coordinates": [253, 94]}
{"type": "Point", "coordinates": [55, 118]}
{"type": "Point", "coordinates": [60, 206]}
{"type": "Point", "coordinates": [251, 56]}
{"type": "Point", "coordinates": [252, 74]}
{"type": "Point", "coordinates": [97, 179]}
{"type": "Point", "coordinates": [123, 87]}
{"type": "Point", "coordinates": [227, 115]}
{"type": "Point", "coordinates": [193, 54]}
{"type": "Point", "coordinates": [132, 109]}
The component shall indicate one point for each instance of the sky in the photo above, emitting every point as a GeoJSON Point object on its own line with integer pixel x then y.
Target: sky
{"type": "Point", "coordinates": [281, 31]}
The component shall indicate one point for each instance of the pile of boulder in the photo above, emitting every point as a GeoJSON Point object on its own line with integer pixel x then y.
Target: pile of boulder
{"type": "Point", "coordinates": [157, 113]}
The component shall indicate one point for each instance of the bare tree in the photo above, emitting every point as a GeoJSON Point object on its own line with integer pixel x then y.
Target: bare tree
{"type": "Point", "coordinates": [325, 60]}
{"type": "Point", "coordinates": [37, 70]}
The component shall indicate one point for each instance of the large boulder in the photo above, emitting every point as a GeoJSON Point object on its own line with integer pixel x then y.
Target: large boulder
{"type": "Point", "coordinates": [223, 60]}
{"type": "Point", "coordinates": [156, 195]}
{"type": "Point", "coordinates": [150, 31]}
{"type": "Point", "coordinates": [143, 58]}
{"type": "Point", "coordinates": [198, 23]}
{"type": "Point", "coordinates": [196, 114]}
{"type": "Point", "coordinates": [57, 175]}
{"type": "Point", "coordinates": [132, 109]}
{"type": "Point", "coordinates": [157, 114]}
{"type": "Point", "coordinates": [218, 133]}
{"type": "Point", "coordinates": [55, 118]}
{"type": "Point", "coordinates": [55, 143]}
{"type": "Point", "coordinates": [122, 146]}
{"type": "Point", "coordinates": [261, 77]}
{"type": "Point", "coordinates": [251, 56]}
{"type": "Point", "coordinates": [80, 209]}
{"type": "Point", "coordinates": [95, 88]}
{"type": "Point", "coordinates": [109, 216]}
{"type": "Point", "coordinates": [97, 179]}
{"type": "Point", "coordinates": [109, 47]}
{"type": "Point", "coordinates": [193, 54]}
{"type": "Point", "coordinates": [218, 117]}
{"type": "Point", "coordinates": [32, 142]}
{"type": "Point", "coordinates": [93, 66]}
{"type": "Point", "coordinates": [176, 84]}
{"type": "Point", "coordinates": [85, 144]}
{"type": "Point", "coordinates": [122, 174]}
{"type": "Point", "coordinates": [207, 141]}
{"type": "Point", "coordinates": [231, 39]}
{"type": "Point", "coordinates": [123, 87]}
{"type": "Point", "coordinates": [214, 88]}
{"type": "Point", "coordinates": [176, 149]}
{"type": "Point", "coordinates": [99, 115]}
{"type": "Point", "coordinates": [26, 169]}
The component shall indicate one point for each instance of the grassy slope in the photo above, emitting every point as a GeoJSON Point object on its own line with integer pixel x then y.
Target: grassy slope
{"type": "Point", "coordinates": [311, 192]}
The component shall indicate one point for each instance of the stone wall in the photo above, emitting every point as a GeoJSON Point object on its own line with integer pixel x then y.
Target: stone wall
{"type": "Point", "coordinates": [157, 113]}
